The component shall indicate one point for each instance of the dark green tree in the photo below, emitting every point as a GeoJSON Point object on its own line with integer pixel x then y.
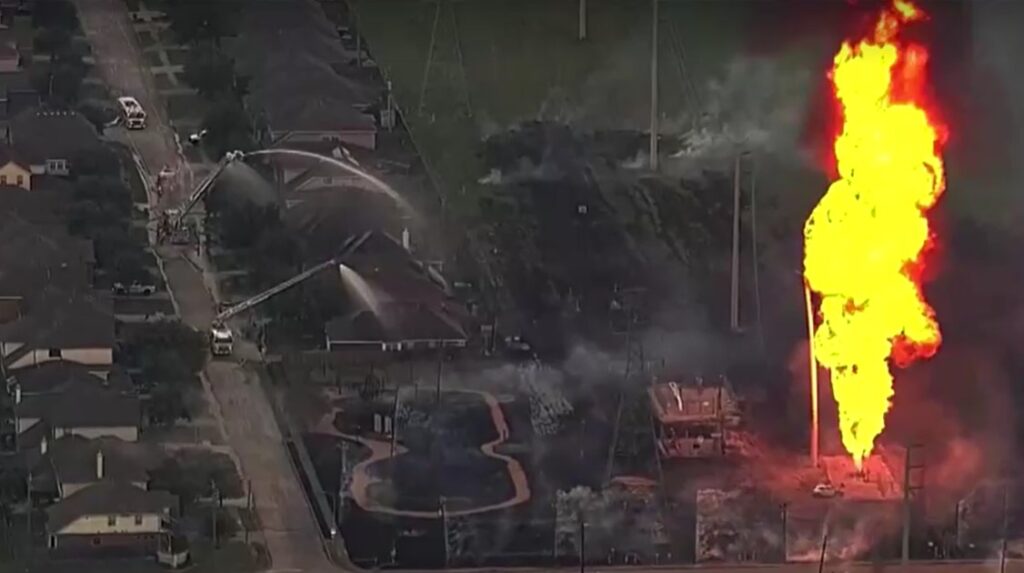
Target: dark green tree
{"type": "Point", "coordinates": [212, 73]}
{"type": "Point", "coordinates": [199, 22]}
{"type": "Point", "coordinates": [228, 128]}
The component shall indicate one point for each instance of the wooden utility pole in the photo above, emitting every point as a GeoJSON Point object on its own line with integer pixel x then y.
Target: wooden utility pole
{"type": "Point", "coordinates": [394, 422]}
{"type": "Point", "coordinates": [824, 547]}
{"type": "Point", "coordinates": [909, 492]}
{"type": "Point", "coordinates": [654, 85]}
{"type": "Point", "coordinates": [785, 525]}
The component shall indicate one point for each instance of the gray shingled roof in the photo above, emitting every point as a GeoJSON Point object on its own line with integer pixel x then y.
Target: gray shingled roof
{"type": "Point", "coordinates": [39, 134]}
{"type": "Point", "coordinates": [108, 498]}
{"type": "Point", "coordinates": [60, 319]}
{"type": "Point", "coordinates": [73, 460]}
{"type": "Point", "coordinates": [397, 322]}
{"type": "Point", "coordinates": [59, 376]}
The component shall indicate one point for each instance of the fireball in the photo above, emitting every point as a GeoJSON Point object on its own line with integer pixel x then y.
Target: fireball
{"type": "Point", "coordinates": [865, 240]}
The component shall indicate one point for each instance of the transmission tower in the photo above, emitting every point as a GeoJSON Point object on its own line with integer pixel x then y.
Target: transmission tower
{"type": "Point", "coordinates": [633, 449]}
{"type": "Point", "coordinates": [444, 71]}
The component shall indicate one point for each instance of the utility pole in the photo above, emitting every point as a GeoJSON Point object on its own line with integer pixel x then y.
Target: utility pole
{"type": "Point", "coordinates": [909, 492]}
{"type": "Point", "coordinates": [213, 513]}
{"type": "Point", "coordinates": [583, 542]}
{"type": "Point", "coordinates": [753, 252]}
{"type": "Point", "coordinates": [654, 85]}
{"type": "Point", "coordinates": [734, 298]}
{"type": "Point", "coordinates": [813, 368]}
{"type": "Point", "coordinates": [1006, 523]}
{"type": "Point", "coordinates": [443, 510]}
{"type": "Point", "coordinates": [583, 20]}
{"type": "Point", "coordinates": [824, 547]}
{"type": "Point", "coordinates": [440, 366]}
{"type": "Point", "coordinates": [394, 422]}
{"type": "Point", "coordinates": [785, 524]}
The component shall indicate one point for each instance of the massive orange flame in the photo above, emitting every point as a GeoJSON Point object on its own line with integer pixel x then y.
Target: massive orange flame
{"type": "Point", "coordinates": [864, 240]}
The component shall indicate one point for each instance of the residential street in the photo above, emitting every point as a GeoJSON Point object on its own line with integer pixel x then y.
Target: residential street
{"type": "Point", "coordinates": [237, 398]}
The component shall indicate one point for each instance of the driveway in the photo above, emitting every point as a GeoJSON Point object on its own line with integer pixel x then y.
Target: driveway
{"type": "Point", "coordinates": [240, 406]}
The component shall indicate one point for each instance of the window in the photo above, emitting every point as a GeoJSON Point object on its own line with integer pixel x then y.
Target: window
{"type": "Point", "coordinates": [57, 165]}
{"type": "Point", "coordinates": [55, 353]}
{"type": "Point", "coordinates": [111, 520]}
{"type": "Point", "coordinates": [21, 180]}
{"type": "Point", "coordinates": [138, 520]}
{"type": "Point", "coordinates": [3, 180]}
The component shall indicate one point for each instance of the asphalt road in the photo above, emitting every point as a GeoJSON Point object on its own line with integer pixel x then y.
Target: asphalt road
{"type": "Point", "coordinates": [240, 404]}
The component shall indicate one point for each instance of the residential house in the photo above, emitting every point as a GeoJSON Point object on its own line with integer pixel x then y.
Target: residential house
{"type": "Point", "coordinates": [109, 518]}
{"type": "Point", "coordinates": [396, 327]}
{"type": "Point", "coordinates": [14, 171]}
{"type": "Point", "coordinates": [35, 256]}
{"type": "Point", "coordinates": [73, 463]}
{"type": "Point", "coordinates": [288, 49]}
{"type": "Point", "coordinates": [60, 325]}
{"type": "Point", "coordinates": [50, 140]}
{"type": "Point", "coordinates": [72, 401]}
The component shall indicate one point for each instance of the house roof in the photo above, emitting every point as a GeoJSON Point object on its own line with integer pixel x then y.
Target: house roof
{"type": "Point", "coordinates": [36, 206]}
{"type": "Point", "coordinates": [83, 406]}
{"type": "Point", "coordinates": [74, 460]}
{"type": "Point", "coordinates": [108, 498]}
{"type": "Point", "coordinates": [34, 255]}
{"type": "Point", "coordinates": [63, 319]}
{"type": "Point", "coordinates": [289, 49]}
{"type": "Point", "coordinates": [693, 400]}
{"type": "Point", "coordinates": [39, 134]}
{"type": "Point", "coordinates": [9, 155]}
{"type": "Point", "coordinates": [62, 375]}
{"type": "Point", "coordinates": [397, 322]}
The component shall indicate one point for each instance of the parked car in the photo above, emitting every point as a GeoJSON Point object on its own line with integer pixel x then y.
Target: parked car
{"type": "Point", "coordinates": [135, 288]}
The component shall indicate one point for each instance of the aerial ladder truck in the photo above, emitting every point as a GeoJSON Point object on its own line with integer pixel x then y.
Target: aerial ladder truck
{"type": "Point", "coordinates": [171, 222]}
{"type": "Point", "coordinates": [221, 337]}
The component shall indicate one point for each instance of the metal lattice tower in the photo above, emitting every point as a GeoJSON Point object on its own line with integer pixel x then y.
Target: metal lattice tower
{"type": "Point", "coordinates": [633, 449]}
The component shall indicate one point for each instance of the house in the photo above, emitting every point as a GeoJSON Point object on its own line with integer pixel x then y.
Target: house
{"type": "Point", "coordinates": [73, 463]}
{"type": "Point", "coordinates": [60, 325]}
{"type": "Point", "coordinates": [38, 257]}
{"type": "Point", "coordinates": [288, 49]}
{"type": "Point", "coordinates": [396, 327]}
{"type": "Point", "coordinates": [109, 517]}
{"type": "Point", "coordinates": [50, 140]}
{"type": "Point", "coordinates": [72, 401]}
{"type": "Point", "coordinates": [14, 171]}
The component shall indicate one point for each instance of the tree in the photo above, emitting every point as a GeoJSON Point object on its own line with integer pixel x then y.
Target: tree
{"type": "Point", "coordinates": [59, 14]}
{"type": "Point", "coordinates": [212, 73]}
{"type": "Point", "coordinates": [99, 115]}
{"type": "Point", "coordinates": [100, 163]}
{"type": "Point", "coordinates": [228, 128]}
{"type": "Point", "coordinates": [188, 345]}
{"type": "Point", "coordinates": [197, 22]}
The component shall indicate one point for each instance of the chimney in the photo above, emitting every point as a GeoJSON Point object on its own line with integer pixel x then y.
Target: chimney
{"type": "Point", "coordinates": [99, 464]}
{"type": "Point", "coordinates": [42, 446]}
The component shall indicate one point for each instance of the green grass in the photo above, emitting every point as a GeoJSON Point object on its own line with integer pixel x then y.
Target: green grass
{"type": "Point", "coordinates": [177, 56]}
{"type": "Point", "coordinates": [163, 81]}
{"type": "Point", "coordinates": [183, 107]}
{"type": "Point", "coordinates": [153, 58]}
{"type": "Point", "coordinates": [146, 39]}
